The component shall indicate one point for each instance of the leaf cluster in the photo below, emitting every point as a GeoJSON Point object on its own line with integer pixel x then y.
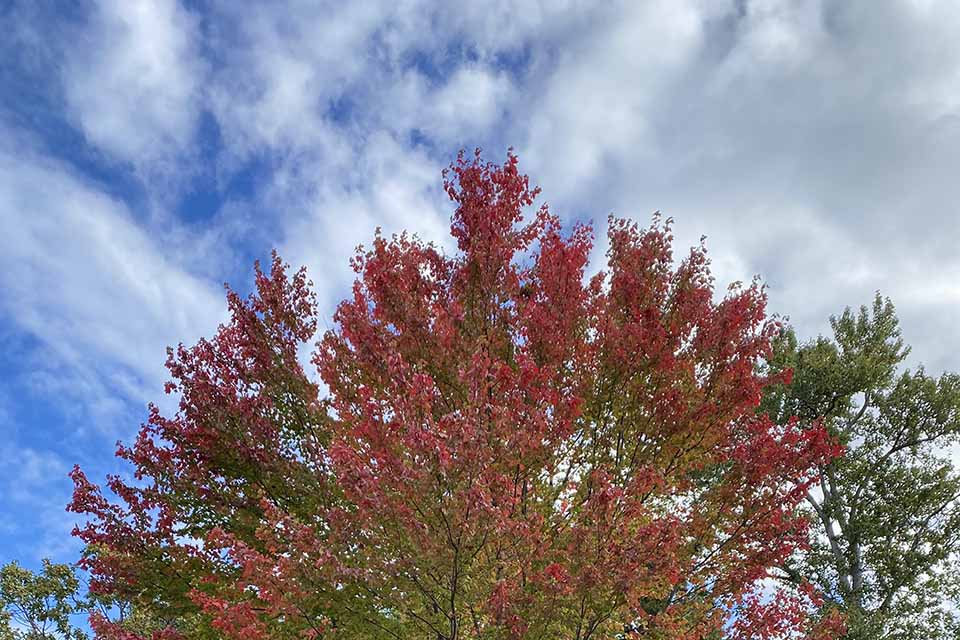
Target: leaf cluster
{"type": "Point", "coordinates": [887, 512]}
{"type": "Point", "coordinates": [39, 606]}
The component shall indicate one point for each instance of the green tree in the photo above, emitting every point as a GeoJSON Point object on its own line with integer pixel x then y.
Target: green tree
{"type": "Point", "coordinates": [38, 606]}
{"type": "Point", "coordinates": [886, 514]}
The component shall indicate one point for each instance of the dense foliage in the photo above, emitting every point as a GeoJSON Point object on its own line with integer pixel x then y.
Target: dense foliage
{"type": "Point", "coordinates": [39, 606]}
{"type": "Point", "coordinates": [887, 512]}
{"type": "Point", "coordinates": [501, 447]}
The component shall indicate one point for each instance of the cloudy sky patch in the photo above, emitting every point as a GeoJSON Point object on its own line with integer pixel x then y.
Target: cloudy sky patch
{"type": "Point", "coordinates": [152, 150]}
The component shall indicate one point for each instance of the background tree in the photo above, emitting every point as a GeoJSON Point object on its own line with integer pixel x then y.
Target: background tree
{"type": "Point", "coordinates": [38, 606]}
{"type": "Point", "coordinates": [887, 513]}
{"type": "Point", "coordinates": [504, 449]}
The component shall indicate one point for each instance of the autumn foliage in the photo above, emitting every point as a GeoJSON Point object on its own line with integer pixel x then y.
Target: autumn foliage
{"type": "Point", "coordinates": [501, 447]}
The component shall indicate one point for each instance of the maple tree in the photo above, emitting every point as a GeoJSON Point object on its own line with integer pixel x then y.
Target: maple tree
{"type": "Point", "coordinates": [502, 448]}
{"type": "Point", "coordinates": [886, 514]}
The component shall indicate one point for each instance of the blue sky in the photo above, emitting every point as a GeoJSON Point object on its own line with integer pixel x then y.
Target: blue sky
{"type": "Point", "coordinates": [151, 150]}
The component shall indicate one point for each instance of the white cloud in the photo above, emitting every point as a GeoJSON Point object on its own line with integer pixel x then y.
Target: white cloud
{"type": "Point", "coordinates": [601, 98]}
{"type": "Point", "coordinates": [471, 99]}
{"type": "Point", "coordinates": [331, 94]}
{"type": "Point", "coordinates": [815, 143]}
{"type": "Point", "coordinates": [812, 142]}
{"type": "Point", "coordinates": [34, 490]}
{"type": "Point", "coordinates": [285, 67]}
{"type": "Point", "coordinates": [91, 286]}
{"type": "Point", "coordinates": [133, 80]}
{"type": "Point", "coordinates": [397, 190]}
{"type": "Point", "coordinates": [318, 78]}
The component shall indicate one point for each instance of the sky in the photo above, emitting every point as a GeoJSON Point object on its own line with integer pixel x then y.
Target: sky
{"type": "Point", "coordinates": [151, 150]}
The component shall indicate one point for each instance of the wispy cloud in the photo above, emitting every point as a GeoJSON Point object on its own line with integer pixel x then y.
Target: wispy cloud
{"type": "Point", "coordinates": [814, 142]}
{"type": "Point", "coordinates": [133, 79]}
{"type": "Point", "coordinates": [92, 287]}
{"type": "Point", "coordinates": [35, 523]}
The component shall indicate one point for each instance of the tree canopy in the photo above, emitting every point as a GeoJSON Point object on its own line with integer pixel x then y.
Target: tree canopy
{"type": "Point", "coordinates": [39, 606]}
{"type": "Point", "coordinates": [887, 512]}
{"type": "Point", "coordinates": [498, 446]}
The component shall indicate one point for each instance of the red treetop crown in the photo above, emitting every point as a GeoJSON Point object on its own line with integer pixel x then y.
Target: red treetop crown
{"type": "Point", "coordinates": [506, 449]}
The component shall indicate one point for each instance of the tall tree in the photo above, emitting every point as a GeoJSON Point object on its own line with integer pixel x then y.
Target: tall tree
{"type": "Point", "coordinates": [504, 449]}
{"type": "Point", "coordinates": [39, 606]}
{"type": "Point", "coordinates": [887, 512]}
